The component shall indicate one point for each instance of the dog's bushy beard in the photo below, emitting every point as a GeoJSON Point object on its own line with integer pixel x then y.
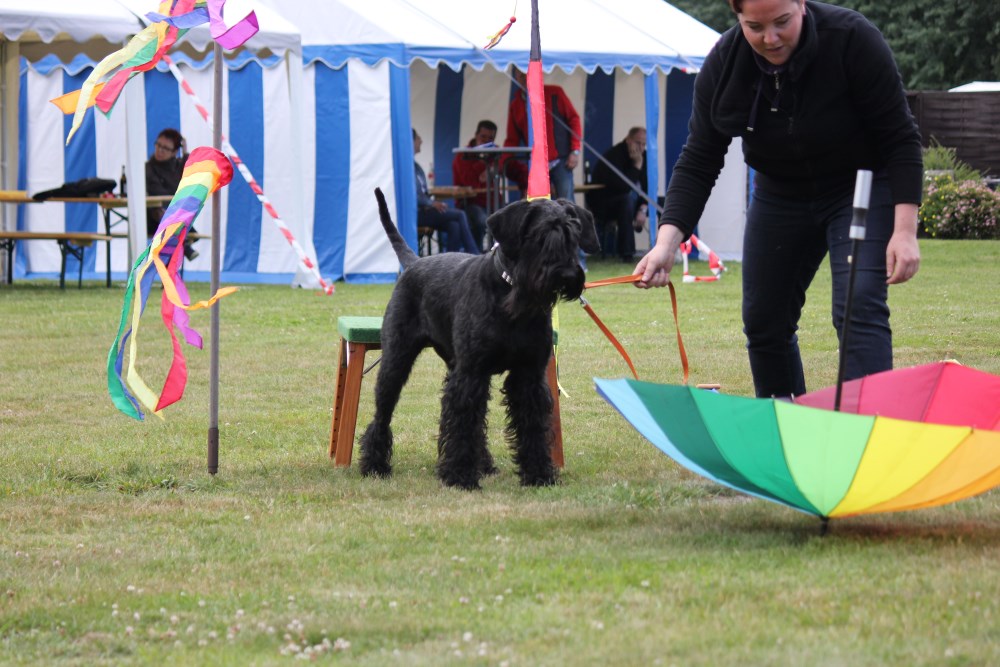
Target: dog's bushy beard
{"type": "Point", "coordinates": [547, 270]}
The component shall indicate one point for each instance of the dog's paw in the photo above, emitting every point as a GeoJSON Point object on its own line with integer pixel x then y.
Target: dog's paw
{"type": "Point", "coordinates": [375, 469]}
{"type": "Point", "coordinates": [548, 478]}
{"type": "Point", "coordinates": [466, 482]}
{"type": "Point", "coordinates": [487, 467]}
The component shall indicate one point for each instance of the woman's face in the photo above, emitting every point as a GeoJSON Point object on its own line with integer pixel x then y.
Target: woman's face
{"type": "Point", "coordinates": [164, 149]}
{"type": "Point", "coordinates": [773, 27]}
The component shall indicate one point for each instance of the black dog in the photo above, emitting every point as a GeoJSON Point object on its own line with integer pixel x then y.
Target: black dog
{"type": "Point", "coordinates": [483, 315]}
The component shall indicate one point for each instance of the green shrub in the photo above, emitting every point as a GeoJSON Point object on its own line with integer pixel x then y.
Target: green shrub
{"type": "Point", "coordinates": [941, 160]}
{"type": "Point", "coordinates": [960, 210]}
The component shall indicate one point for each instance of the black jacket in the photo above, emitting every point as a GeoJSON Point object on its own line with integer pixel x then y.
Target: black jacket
{"type": "Point", "coordinates": [837, 106]}
{"type": "Point", "coordinates": [613, 185]}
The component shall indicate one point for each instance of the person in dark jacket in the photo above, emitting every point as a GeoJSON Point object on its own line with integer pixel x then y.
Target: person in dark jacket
{"type": "Point", "coordinates": [814, 92]}
{"type": "Point", "coordinates": [617, 202]}
{"type": "Point", "coordinates": [163, 174]}
{"type": "Point", "coordinates": [438, 215]}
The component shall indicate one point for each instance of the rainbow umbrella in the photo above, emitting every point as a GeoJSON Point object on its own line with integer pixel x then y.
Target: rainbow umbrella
{"type": "Point", "coordinates": [906, 439]}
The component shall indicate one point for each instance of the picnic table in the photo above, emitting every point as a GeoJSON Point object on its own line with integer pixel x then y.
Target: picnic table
{"type": "Point", "coordinates": [72, 244]}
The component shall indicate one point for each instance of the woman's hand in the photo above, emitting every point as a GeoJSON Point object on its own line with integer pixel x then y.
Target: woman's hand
{"type": "Point", "coordinates": [902, 255]}
{"type": "Point", "coordinates": [655, 266]}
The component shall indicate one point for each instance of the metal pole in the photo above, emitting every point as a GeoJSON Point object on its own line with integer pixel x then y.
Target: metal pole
{"type": "Point", "coordinates": [213, 374]}
{"type": "Point", "coordinates": [862, 197]}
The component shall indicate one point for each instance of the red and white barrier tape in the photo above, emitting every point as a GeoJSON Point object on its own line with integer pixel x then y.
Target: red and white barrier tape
{"type": "Point", "coordinates": [228, 149]}
{"type": "Point", "coordinates": [714, 263]}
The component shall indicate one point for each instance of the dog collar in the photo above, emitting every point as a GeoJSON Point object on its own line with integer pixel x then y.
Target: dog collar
{"type": "Point", "coordinates": [498, 263]}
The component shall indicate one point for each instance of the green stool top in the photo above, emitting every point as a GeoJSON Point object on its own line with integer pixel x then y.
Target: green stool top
{"type": "Point", "coordinates": [360, 329]}
{"type": "Point", "coordinates": [369, 329]}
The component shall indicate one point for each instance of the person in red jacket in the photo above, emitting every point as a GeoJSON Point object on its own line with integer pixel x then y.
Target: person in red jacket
{"type": "Point", "coordinates": [468, 171]}
{"type": "Point", "coordinates": [564, 137]}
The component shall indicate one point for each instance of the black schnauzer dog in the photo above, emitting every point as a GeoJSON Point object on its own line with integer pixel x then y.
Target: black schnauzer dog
{"type": "Point", "coordinates": [482, 314]}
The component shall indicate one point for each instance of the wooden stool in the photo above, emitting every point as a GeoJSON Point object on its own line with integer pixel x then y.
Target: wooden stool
{"type": "Point", "coordinates": [358, 335]}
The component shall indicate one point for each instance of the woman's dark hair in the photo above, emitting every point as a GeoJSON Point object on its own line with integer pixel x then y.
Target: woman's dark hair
{"type": "Point", "coordinates": [173, 136]}
{"type": "Point", "coordinates": [736, 6]}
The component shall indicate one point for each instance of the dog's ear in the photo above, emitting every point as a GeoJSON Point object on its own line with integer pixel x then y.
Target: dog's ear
{"type": "Point", "coordinates": [585, 223]}
{"type": "Point", "coordinates": [507, 226]}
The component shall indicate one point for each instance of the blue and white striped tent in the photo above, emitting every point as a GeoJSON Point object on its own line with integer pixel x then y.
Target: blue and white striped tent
{"type": "Point", "coordinates": [376, 68]}
{"type": "Point", "coordinates": [54, 51]}
{"type": "Point", "coordinates": [370, 70]}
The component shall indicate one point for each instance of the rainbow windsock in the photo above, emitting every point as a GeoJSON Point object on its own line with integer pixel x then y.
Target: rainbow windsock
{"type": "Point", "coordinates": [205, 171]}
{"type": "Point", "coordinates": [147, 48]}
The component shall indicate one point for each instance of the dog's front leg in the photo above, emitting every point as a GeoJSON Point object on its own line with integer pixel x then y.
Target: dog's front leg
{"type": "Point", "coordinates": [462, 454]}
{"type": "Point", "coordinates": [529, 422]}
{"type": "Point", "coordinates": [376, 441]}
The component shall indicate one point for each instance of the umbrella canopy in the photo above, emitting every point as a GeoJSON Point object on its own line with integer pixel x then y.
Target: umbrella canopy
{"type": "Point", "coordinates": [832, 464]}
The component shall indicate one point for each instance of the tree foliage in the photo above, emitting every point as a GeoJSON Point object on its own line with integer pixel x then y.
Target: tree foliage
{"type": "Point", "coordinates": [938, 45]}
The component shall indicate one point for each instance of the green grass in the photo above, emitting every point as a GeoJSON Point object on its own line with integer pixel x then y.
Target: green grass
{"type": "Point", "coordinates": [116, 546]}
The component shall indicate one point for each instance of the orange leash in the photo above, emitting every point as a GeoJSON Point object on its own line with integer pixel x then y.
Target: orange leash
{"type": "Point", "coordinates": [611, 337]}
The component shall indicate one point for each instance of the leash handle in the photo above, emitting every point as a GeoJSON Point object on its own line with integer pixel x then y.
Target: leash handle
{"type": "Point", "coordinates": [612, 281]}
{"type": "Point", "coordinates": [614, 341]}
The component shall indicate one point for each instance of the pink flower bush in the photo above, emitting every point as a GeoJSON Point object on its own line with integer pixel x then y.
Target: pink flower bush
{"type": "Point", "coordinates": [960, 210]}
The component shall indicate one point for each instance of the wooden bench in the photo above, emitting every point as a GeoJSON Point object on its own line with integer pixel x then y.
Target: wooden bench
{"type": "Point", "coordinates": [70, 243]}
{"type": "Point", "coordinates": [359, 335]}
{"type": "Point", "coordinates": [108, 206]}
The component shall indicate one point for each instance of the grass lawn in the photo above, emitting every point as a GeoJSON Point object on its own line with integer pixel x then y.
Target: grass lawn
{"type": "Point", "coordinates": [117, 547]}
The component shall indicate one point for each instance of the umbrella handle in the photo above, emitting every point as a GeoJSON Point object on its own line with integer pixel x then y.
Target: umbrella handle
{"type": "Point", "coordinates": [862, 198]}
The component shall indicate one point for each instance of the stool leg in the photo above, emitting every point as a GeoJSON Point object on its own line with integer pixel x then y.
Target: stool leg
{"type": "Point", "coordinates": [338, 396]}
{"type": "Point", "coordinates": [557, 444]}
{"type": "Point", "coordinates": [348, 420]}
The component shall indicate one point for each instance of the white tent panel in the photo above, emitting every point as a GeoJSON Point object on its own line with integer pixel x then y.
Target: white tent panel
{"type": "Point", "coordinates": [278, 177]}
{"type": "Point", "coordinates": [303, 227]}
{"type": "Point", "coordinates": [367, 249]}
{"type": "Point", "coordinates": [45, 144]}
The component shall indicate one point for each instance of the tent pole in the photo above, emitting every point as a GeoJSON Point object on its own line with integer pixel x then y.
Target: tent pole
{"type": "Point", "coordinates": [213, 381]}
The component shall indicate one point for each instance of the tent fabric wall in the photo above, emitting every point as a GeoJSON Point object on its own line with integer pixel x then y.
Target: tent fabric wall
{"type": "Point", "coordinates": [453, 83]}
{"type": "Point", "coordinates": [364, 81]}
{"type": "Point", "coordinates": [67, 32]}
{"type": "Point", "coordinates": [253, 249]}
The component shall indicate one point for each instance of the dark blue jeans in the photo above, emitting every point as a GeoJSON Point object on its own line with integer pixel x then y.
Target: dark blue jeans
{"type": "Point", "coordinates": [453, 223]}
{"type": "Point", "coordinates": [784, 244]}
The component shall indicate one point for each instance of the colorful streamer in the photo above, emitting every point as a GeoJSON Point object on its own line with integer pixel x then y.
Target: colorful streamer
{"type": "Point", "coordinates": [205, 171]}
{"type": "Point", "coordinates": [304, 258]}
{"type": "Point", "coordinates": [149, 47]}
{"type": "Point", "coordinates": [495, 39]}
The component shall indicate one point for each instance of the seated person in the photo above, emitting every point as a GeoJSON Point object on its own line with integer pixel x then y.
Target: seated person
{"type": "Point", "coordinates": [617, 202]}
{"type": "Point", "coordinates": [438, 215]}
{"type": "Point", "coordinates": [163, 174]}
{"type": "Point", "coordinates": [469, 171]}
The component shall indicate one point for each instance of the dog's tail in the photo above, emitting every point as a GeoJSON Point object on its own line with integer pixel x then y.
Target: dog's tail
{"type": "Point", "coordinates": [403, 252]}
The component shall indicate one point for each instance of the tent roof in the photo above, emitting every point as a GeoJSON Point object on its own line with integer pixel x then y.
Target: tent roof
{"type": "Point", "coordinates": [62, 20]}
{"type": "Point", "coordinates": [115, 21]}
{"type": "Point", "coordinates": [591, 34]}
{"type": "Point", "coordinates": [977, 87]}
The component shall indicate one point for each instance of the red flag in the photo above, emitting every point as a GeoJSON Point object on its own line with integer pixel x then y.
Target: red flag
{"type": "Point", "coordinates": [538, 176]}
